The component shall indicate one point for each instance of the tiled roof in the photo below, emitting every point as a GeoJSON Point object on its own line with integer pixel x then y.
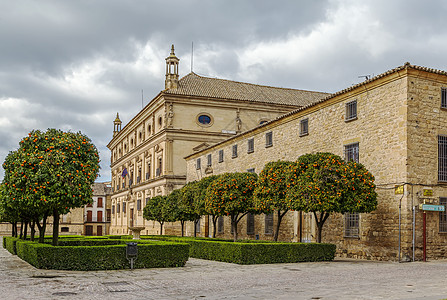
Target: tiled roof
{"type": "Point", "coordinates": [195, 85]}
{"type": "Point", "coordinates": [407, 65]}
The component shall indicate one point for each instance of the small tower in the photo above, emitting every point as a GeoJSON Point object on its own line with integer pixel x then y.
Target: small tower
{"type": "Point", "coordinates": [171, 81]}
{"type": "Point", "coordinates": [116, 125]}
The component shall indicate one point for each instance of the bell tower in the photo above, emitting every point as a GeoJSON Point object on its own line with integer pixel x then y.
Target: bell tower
{"type": "Point", "coordinates": [116, 125]}
{"type": "Point", "coordinates": [172, 61]}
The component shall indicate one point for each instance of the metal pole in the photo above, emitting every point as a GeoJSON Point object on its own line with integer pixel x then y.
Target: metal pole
{"type": "Point", "coordinates": [400, 216]}
{"type": "Point", "coordinates": [414, 229]}
{"type": "Point", "coordinates": [424, 233]}
{"type": "Point", "coordinates": [414, 221]}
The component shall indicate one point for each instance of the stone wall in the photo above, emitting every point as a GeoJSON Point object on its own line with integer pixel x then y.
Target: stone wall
{"type": "Point", "coordinates": [380, 130]}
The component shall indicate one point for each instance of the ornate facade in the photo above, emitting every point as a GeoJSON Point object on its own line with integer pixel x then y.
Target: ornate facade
{"type": "Point", "coordinates": [190, 114]}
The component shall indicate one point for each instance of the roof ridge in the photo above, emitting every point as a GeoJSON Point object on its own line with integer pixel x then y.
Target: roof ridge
{"type": "Point", "coordinates": [251, 84]}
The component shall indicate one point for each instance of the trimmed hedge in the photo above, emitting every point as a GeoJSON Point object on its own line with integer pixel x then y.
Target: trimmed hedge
{"type": "Point", "coordinates": [244, 252]}
{"type": "Point", "coordinates": [108, 257]}
{"type": "Point", "coordinates": [9, 243]}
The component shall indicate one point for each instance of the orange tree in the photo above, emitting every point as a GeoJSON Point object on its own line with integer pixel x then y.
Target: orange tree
{"type": "Point", "coordinates": [323, 183]}
{"type": "Point", "coordinates": [9, 211]}
{"type": "Point", "coordinates": [158, 209]}
{"type": "Point", "coordinates": [271, 189]}
{"type": "Point", "coordinates": [231, 194]}
{"type": "Point", "coordinates": [193, 198]}
{"type": "Point", "coordinates": [177, 210]}
{"type": "Point", "coordinates": [53, 172]}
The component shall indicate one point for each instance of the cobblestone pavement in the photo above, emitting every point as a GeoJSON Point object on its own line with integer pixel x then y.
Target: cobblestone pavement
{"type": "Point", "coordinates": [201, 279]}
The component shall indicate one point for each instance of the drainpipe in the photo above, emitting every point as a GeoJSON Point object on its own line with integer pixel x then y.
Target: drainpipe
{"type": "Point", "coordinates": [400, 221]}
{"type": "Point", "coordinates": [400, 217]}
{"type": "Point", "coordinates": [414, 221]}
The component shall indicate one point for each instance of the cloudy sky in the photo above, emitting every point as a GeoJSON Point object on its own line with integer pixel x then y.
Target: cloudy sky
{"type": "Point", "coordinates": [73, 64]}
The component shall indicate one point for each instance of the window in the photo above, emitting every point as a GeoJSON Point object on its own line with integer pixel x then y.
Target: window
{"type": "Point", "coordinates": [89, 216]}
{"type": "Point", "coordinates": [113, 209]}
{"type": "Point", "coordinates": [198, 164]}
{"type": "Point", "coordinates": [146, 201]}
{"type": "Point", "coordinates": [250, 224]}
{"type": "Point", "coordinates": [304, 127]}
{"type": "Point", "coordinates": [251, 170]}
{"type": "Point", "coordinates": [139, 204]}
{"type": "Point", "coordinates": [352, 224]}
{"type": "Point", "coordinates": [158, 171]}
{"type": "Point", "coordinates": [443, 215]}
{"type": "Point", "coordinates": [269, 139]}
{"type": "Point", "coordinates": [234, 152]}
{"type": "Point", "coordinates": [108, 215]}
{"type": "Point", "coordinates": [65, 229]}
{"type": "Point", "coordinates": [220, 224]}
{"type": "Point", "coordinates": [208, 160]}
{"type": "Point", "coordinates": [99, 202]}
{"type": "Point", "coordinates": [160, 121]}
{"type": "Point", "coordinates": [198, 226]}
{"type": "Point", "coordinates": [351, 110]}
{"type": "Point", "coordinates": [99, 216]}
{"type": "Point", "coordinates": [221, 156]}
{"type": "Point", "coordinates": [251, 145]}
{"type": "Point", "coordinates": [352, 152]}
{"type": "Point", "coordinates": [124, 207]}
{"type": "Point", "coordinates": [269, 224]}
{"type": "Point", "coordinates": [444, 98]}
{"type": "Point", "coordinates": [204, 119]}
{"type": "Point", "coordinates": [118, 209]}
{"type": "Point", "coordinates": [148, 173]}
{"type": "Point", "coordinates": [442, 158]}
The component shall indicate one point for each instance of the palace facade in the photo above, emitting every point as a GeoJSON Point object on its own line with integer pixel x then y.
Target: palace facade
{"type": "Point", "coordinates": [190, 114]}
{"type": "Point", "coordinates": [396, 125]}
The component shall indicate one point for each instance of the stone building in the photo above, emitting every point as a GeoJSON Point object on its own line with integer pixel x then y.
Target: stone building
{"type": "Point", "coordinates": [97, 215]}
{"type": "Point", "coordinates": [396, 125]}
{"type": "Point", "coordinates": [191, 113]}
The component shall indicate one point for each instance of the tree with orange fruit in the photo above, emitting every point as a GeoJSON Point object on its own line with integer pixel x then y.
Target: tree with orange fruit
{"type": "Point", "coordinates": [231, 194]}
{"type": "Point", "coordinates": [323, 183]}
{"type": "Point", "coordinates": [53, 172]}
{"type": "Point", "coordinates": [271, 190]}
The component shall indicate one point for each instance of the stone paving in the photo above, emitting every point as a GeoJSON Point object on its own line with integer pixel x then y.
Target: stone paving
{"type": "Point", "coordinates": [201, 279]}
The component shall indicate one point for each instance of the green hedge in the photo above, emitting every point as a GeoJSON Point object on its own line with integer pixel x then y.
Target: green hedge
{"type": "Point", "coordinates": [9, 243]}
{"type": "Point", "coordinates": [245, 252]}
{"type": "Point", "coordinates": [109, 257]}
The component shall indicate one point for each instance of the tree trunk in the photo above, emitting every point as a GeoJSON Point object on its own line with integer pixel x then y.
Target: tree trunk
{"type": "Point", "coordinates": [33, 229]}
{"type": "Point", "coordinates": [234, 226]}
{"type": "Point", "coordinates": [14, 229]}
{"type": "Point", "coordinates": [278, 224]}
{"type": "Point", "coordinates": [55, 227]}
{"type": "Point", "coordinates": [21, 230]}
{"type": "Point", "coordinates": [161, 228]}
{"type": "Point", "coordinates": [214, 218]}
{"type": "Point", "coordinates": [195, 227]}
{"type": "Point", "coordinates": [183, 225]}
{"type": "Point", "coordinates": [320, 223]}
{"type": "Point", "coordinates": [25, 231]}
{"type": "Point", "coordinates": [42, 228]}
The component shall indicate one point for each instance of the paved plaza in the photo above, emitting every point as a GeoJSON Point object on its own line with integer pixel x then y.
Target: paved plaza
{"type": "Point", "coordinates": [201, 279]}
